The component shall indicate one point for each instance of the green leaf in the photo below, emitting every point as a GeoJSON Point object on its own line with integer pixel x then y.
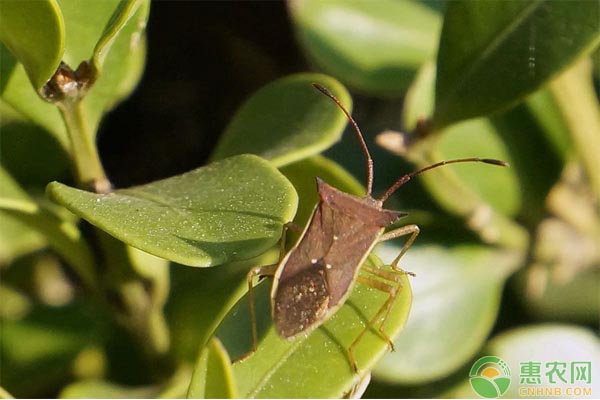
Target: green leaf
{"type": "Point", "coordinates": [494, 53]}
{"type": "Point", "coordinates": [315, 366]}
{"type": "Point", "coordinates": [228, 210]}
{"type": "Point", "coordinates": [12, 196]}
{"type": "Point", "coordinates": [456, 301]}
{"type": "Point", "coordinates": [15, 303]}
{"type": "Point", "coordinates": [38, 225]}
{"type": "Point", "coordinates": [375, 47]}
{"type": "Point", "coordinates": [419, 102]}
{"type": "Point", "coordinates": [84, 27]}
{"type": "Point", "coordinates": [34, 32]}
{"type": "Point", "coordinates": [568, 301]}
{"type": "Point", "coordinates": [544, 108]}
{"type": "Point", "coordinates": [464, 187]}
{"type": "Point", "coordinates": [124, 11]}
{"type": "Point", "coordinates": [513, 136]}
{"type": "Point", "coordinates": [470, 191]}
{"type": "Point", "coordinates": [112, 34]}
{"type": "Point", "coordinates": [479, 138]}
{"type": "Point", "coordinates": [217, 289]}
{"type": "Point", "coordinates": [543, 344]}
{"type": "Point", "coordinates": [578, 104]}
{"type": "Point", "coordinates": [18, 96]}
{"type": "Point", "coordinates": [17, 239]}
{"type": "Point", "coordinates": [107, 390]}
{"type": "Point", "coordinates": [213, 376]}
{"type": "Point", "coordinates": [5, 394]}
{"type": "Point", "coordinates": [174, 388]}
{"type": "Point", "coordinates": [286, 121]}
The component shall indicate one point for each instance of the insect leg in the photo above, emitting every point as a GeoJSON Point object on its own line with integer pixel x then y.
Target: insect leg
{"type": "Point", "coordinates": [287, 226]}
{"type": "Point", "coordinates": [265, 270]}
{"type": "Point", "coordinates": [412, 230]}
{"type": "Point", "coordinates": [384, 310]}
{"type": "Point", "coordinates": [394, 275]}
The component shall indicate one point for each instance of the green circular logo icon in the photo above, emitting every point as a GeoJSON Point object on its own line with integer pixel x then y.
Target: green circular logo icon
{"type": "Point", "coordinates": [490, 377]}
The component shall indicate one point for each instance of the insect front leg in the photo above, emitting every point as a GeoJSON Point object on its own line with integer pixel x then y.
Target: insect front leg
{"type": "Point", "coordinates": [412, 230]}
{"type": "Point", "coordinates": [265, 270]}
{"type": "Point", "coordinates": [287, 226]}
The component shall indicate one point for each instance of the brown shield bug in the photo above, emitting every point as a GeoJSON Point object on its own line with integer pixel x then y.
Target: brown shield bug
{"type": "Point", "coordinates": [315, 277]}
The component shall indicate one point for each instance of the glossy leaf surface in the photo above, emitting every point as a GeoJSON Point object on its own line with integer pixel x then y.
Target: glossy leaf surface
{"type": "Point", "coordinates": [34, 32]}
{"type": "Point", "coordinates": [232, 209]}
{"type": "Point", "coordinates": [286, 121]}
{"type": "Point", "coordinates": [494, 53]}
{"type": "Point", "coordinates": [373, 46]}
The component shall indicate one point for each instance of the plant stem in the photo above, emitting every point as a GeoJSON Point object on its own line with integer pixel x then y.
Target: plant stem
{"type": "Point", "coordinates": [88, 168]}
{"type": "Point", "coordinates": [575, 96]}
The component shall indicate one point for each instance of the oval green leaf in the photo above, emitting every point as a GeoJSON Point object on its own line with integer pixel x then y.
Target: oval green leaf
{"type": "Point", "coordinates": [286, 121]}
{"type": "Point", "coordinates": [34, 32]}
{"type": "Point", "coordinates": [375, 47]}
{"type": "Point", "coordinates": [456, 300]}
{"type": "Point", "coordinates": [213, 376]}
{"type": "Point", "coordinates": [231, 209]}
{"type": "Point", "coordinates": [315, 366]}
{"type": "Point", "coordinates": [492, 54]}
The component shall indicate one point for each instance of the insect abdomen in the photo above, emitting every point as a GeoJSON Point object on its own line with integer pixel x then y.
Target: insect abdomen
{"type": "Point", "coordinates": [300, 301]}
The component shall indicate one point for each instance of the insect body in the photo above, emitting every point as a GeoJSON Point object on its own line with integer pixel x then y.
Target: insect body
{"type": "Point", "coordinates": [314, 278]}
{"type": "Point", "coordinates": [319, 271]}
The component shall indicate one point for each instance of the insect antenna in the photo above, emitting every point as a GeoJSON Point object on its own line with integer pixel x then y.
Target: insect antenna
{"type": "Point", "coordinates": [408, 177]}
{"type": "Point", "coordinates": [359, 134]}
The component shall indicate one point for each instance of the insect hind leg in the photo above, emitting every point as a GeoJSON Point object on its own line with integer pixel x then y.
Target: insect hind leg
{"type": "Point", "coordinates": [392, 287]}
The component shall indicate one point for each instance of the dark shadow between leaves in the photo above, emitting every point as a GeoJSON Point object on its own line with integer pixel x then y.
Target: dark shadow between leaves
{"type": "Point", "coordinates": [35, 156]}
{"type": "Point", "coordinates": [8, 63]}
